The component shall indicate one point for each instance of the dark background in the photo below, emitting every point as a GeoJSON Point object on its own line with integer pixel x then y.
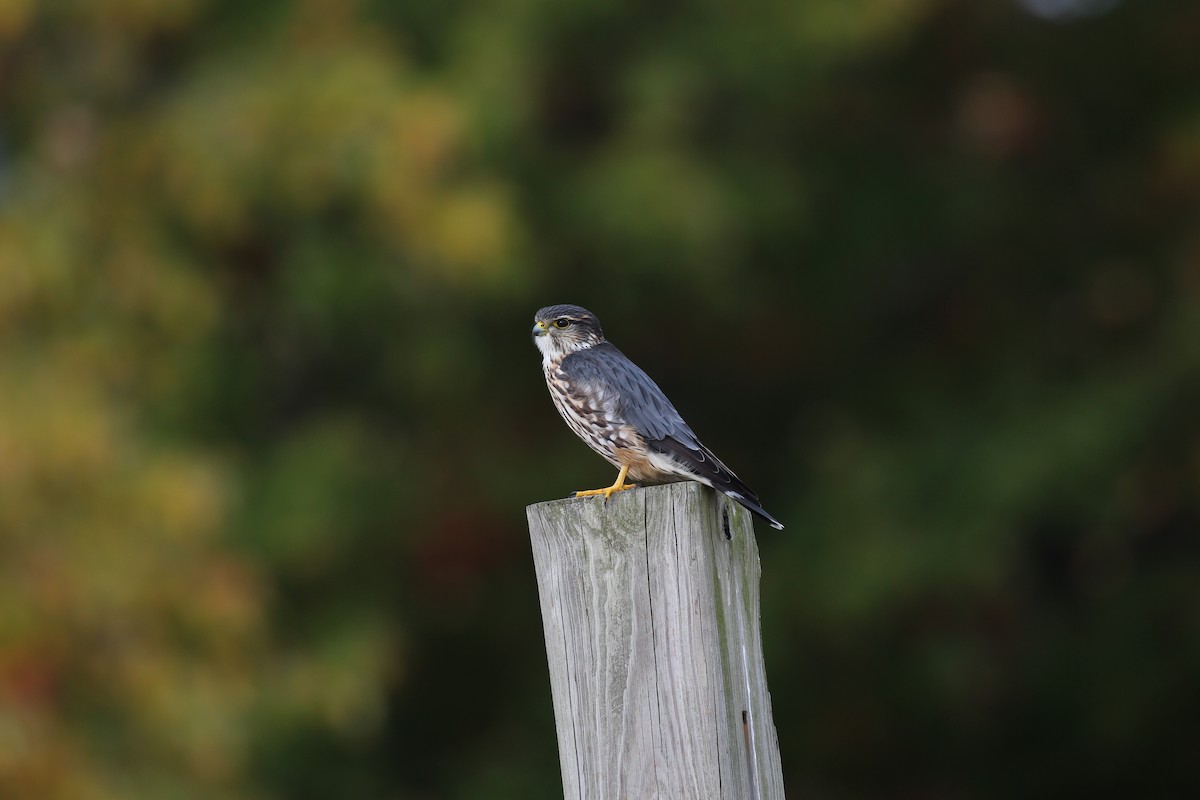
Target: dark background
{"type": "Point", "coordinates": [926, 274]}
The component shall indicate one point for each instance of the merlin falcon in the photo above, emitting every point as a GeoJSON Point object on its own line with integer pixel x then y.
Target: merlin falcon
{"type": "Point", "coordinates": [610, 403]}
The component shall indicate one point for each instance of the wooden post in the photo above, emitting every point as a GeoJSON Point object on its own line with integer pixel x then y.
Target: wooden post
{"type": "Point", "coordinates": [651, 612]}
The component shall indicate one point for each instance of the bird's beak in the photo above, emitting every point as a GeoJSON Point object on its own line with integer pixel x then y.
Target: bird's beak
{"type": "Point", "coordinates": [540, 329]}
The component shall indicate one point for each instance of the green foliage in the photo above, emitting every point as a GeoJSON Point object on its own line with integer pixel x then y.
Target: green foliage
{"type": "Point", "coordinates": [927, 274]}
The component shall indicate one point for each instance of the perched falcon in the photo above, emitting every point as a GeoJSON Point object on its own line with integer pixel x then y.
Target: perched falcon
{"type": "Point", "coordinates": [620, 413]}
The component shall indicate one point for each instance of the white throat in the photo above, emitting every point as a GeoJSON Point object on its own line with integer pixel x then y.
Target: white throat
{"type": "Point", "coordinates": [554, 349]}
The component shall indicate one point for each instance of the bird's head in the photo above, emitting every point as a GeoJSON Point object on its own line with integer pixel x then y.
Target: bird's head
{"type": "Point", "coordinates": [561, 330]}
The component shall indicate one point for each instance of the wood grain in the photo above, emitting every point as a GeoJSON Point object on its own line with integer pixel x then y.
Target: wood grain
{"type": "Point", "coordinates": [651, 616]}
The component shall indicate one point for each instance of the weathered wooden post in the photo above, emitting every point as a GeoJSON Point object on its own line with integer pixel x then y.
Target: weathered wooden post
{"type": "Point", "coordinates": [651, 612]}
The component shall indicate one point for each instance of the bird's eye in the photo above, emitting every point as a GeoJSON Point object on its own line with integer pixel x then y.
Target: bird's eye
{"type": "Point", "coordinates": [562, 322]}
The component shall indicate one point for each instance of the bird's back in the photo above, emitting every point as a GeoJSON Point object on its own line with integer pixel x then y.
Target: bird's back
{"type": "Point", "coordinates": [621, 413]}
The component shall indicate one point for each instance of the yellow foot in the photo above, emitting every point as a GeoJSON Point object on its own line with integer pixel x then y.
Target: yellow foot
{"type": "Point", "coordinates": [618, 486]}
{"type": "Point", "coordinates": [607, 491]}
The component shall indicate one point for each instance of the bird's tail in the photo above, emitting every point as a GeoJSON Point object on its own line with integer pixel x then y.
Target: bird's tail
{"type": "Point", "coordinates": [697, 462]}
{"type": "Point", "coordinates": [752, 504]}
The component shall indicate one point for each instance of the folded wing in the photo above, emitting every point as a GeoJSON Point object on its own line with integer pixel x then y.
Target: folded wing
{"type": "Point", "coordinates": [629, 395]}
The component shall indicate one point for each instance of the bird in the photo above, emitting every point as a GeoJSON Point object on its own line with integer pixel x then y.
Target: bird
{"type": "Point", "coordinates": [618, 411]}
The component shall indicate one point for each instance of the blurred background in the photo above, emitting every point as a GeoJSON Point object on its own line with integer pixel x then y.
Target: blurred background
{"type": "Point", "coordinates": [925, 273]}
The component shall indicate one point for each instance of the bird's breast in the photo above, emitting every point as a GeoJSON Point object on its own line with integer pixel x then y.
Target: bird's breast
{"type": "Point", "coordinates": [591, 417]}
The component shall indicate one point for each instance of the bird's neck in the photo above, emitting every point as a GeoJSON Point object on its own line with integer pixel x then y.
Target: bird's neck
{"type": "Point", "coordinates": [554, 352]}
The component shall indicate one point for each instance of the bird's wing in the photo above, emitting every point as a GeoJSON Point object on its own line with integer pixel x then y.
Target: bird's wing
{"type": "Point", "coordinates": [631, 396]}
{"type": "Point", "coordinates": [626, 392]}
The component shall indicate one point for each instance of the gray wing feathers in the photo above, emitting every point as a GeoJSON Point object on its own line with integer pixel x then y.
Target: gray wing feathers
{"type": "Point", "coordinates": [639, 402]}
{"type": "Point", "coordinates": [632, 396]}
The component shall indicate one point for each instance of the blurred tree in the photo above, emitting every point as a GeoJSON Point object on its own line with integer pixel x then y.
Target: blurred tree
{"type": "Point", "coordinates": [268, 418]}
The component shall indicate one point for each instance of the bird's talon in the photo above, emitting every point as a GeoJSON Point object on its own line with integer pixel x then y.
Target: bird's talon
{"type": "Point", "coordinates": [610, 491]}
{"type": "Point", "coordinates": [619, 486]}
